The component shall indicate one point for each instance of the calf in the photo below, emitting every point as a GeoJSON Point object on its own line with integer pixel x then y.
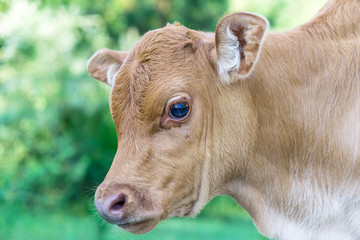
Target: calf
{"type": "Point", "coordinates": [272, 120]}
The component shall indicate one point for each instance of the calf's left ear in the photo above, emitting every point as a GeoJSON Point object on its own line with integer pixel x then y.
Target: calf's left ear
{"type": "Point", "coordinates": [238, 39]}
{"type": "Point", "coordinates": [105, 64]}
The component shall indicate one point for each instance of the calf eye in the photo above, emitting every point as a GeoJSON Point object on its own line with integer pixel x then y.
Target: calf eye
{"type": "Point", "coordinates": [176, 112]}
{"type": "Point", "coordinates": [179, 110]}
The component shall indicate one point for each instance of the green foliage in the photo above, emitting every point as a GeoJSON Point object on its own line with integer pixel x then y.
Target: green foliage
{"type": "Point", "coordinates": [143, 15]}
{"type": "Point", "coordinates": [56, 134]}
{"type": "Point", "coordinates": [282, 14]}
{"type": "Point", "coordinates": [199, 14]}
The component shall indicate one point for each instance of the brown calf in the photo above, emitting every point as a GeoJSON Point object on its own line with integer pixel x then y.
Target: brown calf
{"type": "Point", "coordinates": [273, 121]}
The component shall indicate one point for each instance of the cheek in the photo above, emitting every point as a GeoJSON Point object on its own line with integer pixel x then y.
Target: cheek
{"type": "Point", "coordinates": [177, 160]}
{"type": "Point", "coordinates": [180, 187]}
{"type": "Point", "coordinates": [172, 143]}
{"type": "Point", "coordinates": [174, 175]}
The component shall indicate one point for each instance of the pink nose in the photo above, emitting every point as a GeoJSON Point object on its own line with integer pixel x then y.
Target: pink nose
{"type": "Point", "coordinates": [128, 206]}
{"type": "Point", "coordinates": [113, 205]}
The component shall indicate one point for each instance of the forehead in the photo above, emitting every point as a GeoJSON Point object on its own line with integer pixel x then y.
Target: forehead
{"type": "Point", "coordinates": [155, 66]}
{"type": "Point", "coordinates": [173, 41]}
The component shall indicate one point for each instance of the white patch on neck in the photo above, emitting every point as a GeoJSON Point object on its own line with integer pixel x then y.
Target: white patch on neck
{"type": "Point", "coordinates": [356, 149]}
{"type": "Point", "coordinates": [285, 229]}
{"type": "Point", "coordinates": [324, 215]}
{"type": "Point", "coordinates": [229, 57]}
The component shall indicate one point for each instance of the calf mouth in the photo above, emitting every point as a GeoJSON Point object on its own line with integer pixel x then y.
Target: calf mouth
{"type": "Point", "coordinates": [139, 226]}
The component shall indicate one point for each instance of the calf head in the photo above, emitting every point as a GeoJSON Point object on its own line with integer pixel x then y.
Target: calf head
{"type": "Point", "coordinates": [169, 108]}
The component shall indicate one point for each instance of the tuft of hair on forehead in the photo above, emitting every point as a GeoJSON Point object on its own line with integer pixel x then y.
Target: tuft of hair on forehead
{"type": "Point", "coordinates": [176, 24]}
{"type": "Point", "coordinates": [166, 43]}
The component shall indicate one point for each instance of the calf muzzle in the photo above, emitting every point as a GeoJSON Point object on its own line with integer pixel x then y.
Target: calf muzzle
{"type": "Point", "coordinates": [126, 206]}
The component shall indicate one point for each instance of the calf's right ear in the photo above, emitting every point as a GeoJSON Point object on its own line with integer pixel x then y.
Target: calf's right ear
{"type": "Point", "coordinates": [238, 39]}
{"type": "Point", "coordinates": [105, 64]}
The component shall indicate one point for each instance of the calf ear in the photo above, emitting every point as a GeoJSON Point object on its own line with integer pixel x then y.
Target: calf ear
{"type": "Point", "coordinates": [238, 37]}
{"type": "Point", "coordinates": [105, 64]}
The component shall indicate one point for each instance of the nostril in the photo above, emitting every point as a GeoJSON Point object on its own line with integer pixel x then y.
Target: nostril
{"type": "Point", "coordinates": [117, 204]}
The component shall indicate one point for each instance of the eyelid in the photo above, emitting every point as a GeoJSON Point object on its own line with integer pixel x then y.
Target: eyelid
{"type": "Point", "coordinates": [177, 99]}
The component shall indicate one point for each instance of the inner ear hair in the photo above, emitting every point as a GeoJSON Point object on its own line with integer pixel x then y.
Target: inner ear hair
{"type": "Point", "coordinates": [238, 31]}
{"type": "Point", "coordinates": [238, 37]}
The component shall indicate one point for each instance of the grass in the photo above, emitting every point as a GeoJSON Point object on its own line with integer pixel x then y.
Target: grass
{"type": "Point", "coordinates": [18, 223]}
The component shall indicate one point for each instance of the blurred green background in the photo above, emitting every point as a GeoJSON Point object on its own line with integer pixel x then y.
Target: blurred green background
{"type": "Point", "coordinates": [57, 139]}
